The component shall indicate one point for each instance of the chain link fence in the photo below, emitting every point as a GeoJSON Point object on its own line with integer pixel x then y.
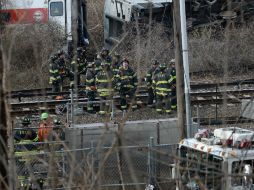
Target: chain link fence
{"type": "Point", "coordinates": [116, 167]}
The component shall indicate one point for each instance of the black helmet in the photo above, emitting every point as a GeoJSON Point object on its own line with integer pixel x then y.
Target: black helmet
{"type": "Point", "coordinates": [104, 50]}
{"type": "Point", "coordinates": [53, 57]}
{"type": "Point", "coordinates": [90, 64]}
{"type": "Point", "coordinates": [60, 52]}
{"type": "Point", "coordinates": [26, 121]}
{"type": "Point", "coordinates": [108, 59]}
{"type": "Point", "coordinates": [79, 49]}
{"type": "Point", "coordinates": [155, 62]}
{"type": "Point", "coordinates": [57, 121]}
{"type": "Point", "coordinates": [172, 61]}
{"type": "Point", "coordinates": [125, 60]}
{"type": "Point", "coordinates": [163, 66]}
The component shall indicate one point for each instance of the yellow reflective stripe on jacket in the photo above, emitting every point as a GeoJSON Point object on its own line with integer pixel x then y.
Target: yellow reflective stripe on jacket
{"type": "Point", "coordinates": [170, 80]}
{"type": "Point", "coordinates": [36, 138]}
{"type": "Point", "coordinates": [25, 142]}
{"type": "Point", "coordinates": [103, 81]}
{"type": "Point", "coordinates": [163, 89]}
{"type": "Point", "coordinates": [53, 70]}
{"type": "Point", "coordinates": [91, 80]}
{"type": "Point", "coordinates": [26, 153]}
{"type": "Point", "coordinates": [105, 90]}
{"type": "Point", "coordinates": [162, 82]}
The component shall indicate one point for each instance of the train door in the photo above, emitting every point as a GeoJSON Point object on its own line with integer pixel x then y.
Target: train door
{"type": "Point", "coordinates": [82, 24]}
{"type": "Point", "coordinates": [57, 12]}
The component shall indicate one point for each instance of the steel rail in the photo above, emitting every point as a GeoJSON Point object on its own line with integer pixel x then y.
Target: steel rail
{"type": "Point", "coordinates": [48, 91]}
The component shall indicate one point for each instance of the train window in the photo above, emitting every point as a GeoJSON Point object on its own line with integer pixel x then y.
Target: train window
{"type": "Point", "coordinates": [5, 16]}
{"type": "Point", "coordinates": [115, 28]}
{"type": "Point", "coordinates": [56, 9]}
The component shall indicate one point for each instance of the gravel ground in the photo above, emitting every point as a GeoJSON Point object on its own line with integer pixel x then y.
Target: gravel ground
{"type": "Point", "coordinates": [139, 114]}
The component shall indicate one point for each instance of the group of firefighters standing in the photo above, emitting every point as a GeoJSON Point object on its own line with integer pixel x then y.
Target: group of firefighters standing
{"type": "Point", "coordinates": [108, 74]}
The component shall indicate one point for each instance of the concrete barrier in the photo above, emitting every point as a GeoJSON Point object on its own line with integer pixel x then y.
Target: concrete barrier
{"type": "Point", "coordinates": [164, 131]}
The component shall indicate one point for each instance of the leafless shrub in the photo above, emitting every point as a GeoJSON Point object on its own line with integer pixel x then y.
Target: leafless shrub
{"type": "Point", "coordinates": [28, 48]}
{"type": "Point", "coordinates": [211, 48]}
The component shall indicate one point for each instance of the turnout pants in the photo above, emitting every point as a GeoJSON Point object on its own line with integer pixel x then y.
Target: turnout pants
{"type": "Point", "coordinates": [173, 100]}
{"type": "Point", "coordinates": [91, 97]}
{"type": "Point", "coordinates": [123, 99]}
{"type": "Point", "coordinates": [57, 86]}
{"type": "Point", "coordinates": [150, 96]}
{"type": "Point", "coordinates": [105, 107]}
{"type": "Point", "coordinates": [163, 103]}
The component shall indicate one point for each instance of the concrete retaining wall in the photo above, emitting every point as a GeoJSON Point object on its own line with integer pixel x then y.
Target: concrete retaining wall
{"type": "Point", "coordinates": [164, 131]}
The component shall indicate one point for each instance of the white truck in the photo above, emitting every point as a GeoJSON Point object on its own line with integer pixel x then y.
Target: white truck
{"type": "Point", "coordinates": [223, 161]}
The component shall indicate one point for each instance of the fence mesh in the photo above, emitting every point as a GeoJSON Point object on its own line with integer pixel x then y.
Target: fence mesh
{"type": "Point", "coordinates": [97, 168]}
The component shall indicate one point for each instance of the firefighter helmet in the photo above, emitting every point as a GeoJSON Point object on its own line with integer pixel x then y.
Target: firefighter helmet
{"type": "Point", "coordinates": [108, 59]}
{"type": "Point", "coordinates": [163, 66]}
{"type": "Point", "coordinates": [26, 121]}
{"type": "Point", "coordinates": [57, 121]}
{"type": "Point", "coordinates": [60, 52]}
{"type": "Point", "coordinates": [155, 62]}
{"type": "Point", "coordinates": [90, 64]}
{"type": "Point", "coordinates": [105, 50]}
{"type": "Point", "coordinates": [125, 60]}
{"type": "Point", "coordinates": [44, 116]}
{"type": "Point", "coordinates": [79, 49]}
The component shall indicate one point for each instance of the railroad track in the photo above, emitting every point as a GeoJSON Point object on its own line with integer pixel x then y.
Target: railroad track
{"type": "Point", "coordinates": [197, 98]}
{"type": "Point", "coordinates": [204, 96]}
{"type": "Point", "coordinates": [194, 86]}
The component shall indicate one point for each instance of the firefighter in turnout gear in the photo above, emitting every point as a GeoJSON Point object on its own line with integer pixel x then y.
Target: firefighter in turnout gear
{"type": "Point", "coordinates": [24, 147]}
{"type": "Point", "coordinates": [82, 63]}
{"type": "Point", "coordinates": [90, 86]}
{"type": "Point", "coordinates": [162, 84]}
{"type": "Point", "coordinates": [173, 87]}
{"type": "Point", "coordinates": [149, 81]}
{"type": "Point", "coordinates": [104, 84]}
{"type": "Point", "coordinates": [61, 61]}
{"type": "Point", "coordinates": [116, 63]}
{"type": "Point", "coordinates": [26, 135]}
{"type": "Point", "coordinates": [97, 63]}
{"type": "Point", "coordinates": [54, 75]}
{"type": "Point", "coordinates": [126, 84]}
{"type": "Point", "coordinates": [104, 55]}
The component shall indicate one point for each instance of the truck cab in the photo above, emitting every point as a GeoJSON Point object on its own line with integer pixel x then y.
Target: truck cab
{"type": "Point", "coordinates": [223, 160]}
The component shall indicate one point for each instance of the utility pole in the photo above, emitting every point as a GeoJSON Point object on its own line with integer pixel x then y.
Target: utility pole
{"type": "Point", "coordinates": [3, 123]}
{"type": "Point", "coordinates": [74, 29]}
{"type": "Point", "coordinates": [185, 67]}
{"type": "Point", "coordinates": [179, 69]}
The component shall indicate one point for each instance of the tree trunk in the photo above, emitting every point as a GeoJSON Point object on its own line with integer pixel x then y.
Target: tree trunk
{"type": "Point", "coordinates": [3, 125]}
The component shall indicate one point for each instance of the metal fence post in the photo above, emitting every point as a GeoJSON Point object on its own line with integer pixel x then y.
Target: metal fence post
{"type": "Point", "coordinates": [151, 165]}
{"type": "Point", "coordinates": [112, 109]}
{"type": "Point", "coordinates": [92, 162]}
{"type": "Point", "coordinates": [72, 108]}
